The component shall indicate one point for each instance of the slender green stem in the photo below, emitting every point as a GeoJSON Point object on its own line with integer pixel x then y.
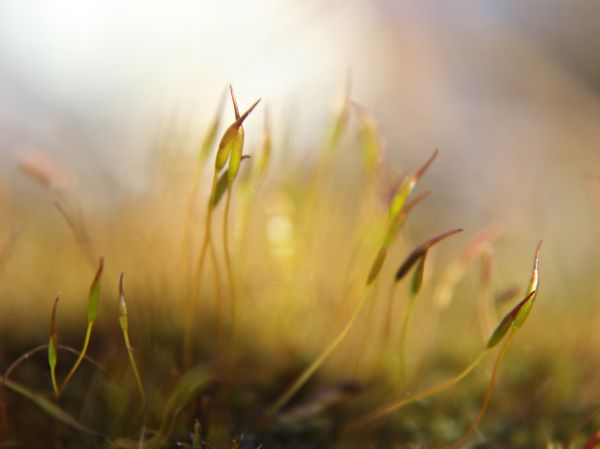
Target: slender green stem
{"type": "Point", "coordinates": [37, 349]}
{"type": "Point", "coordinates": [53, 379]}
{"type": "Point", "coordinates": [134, 366]}
{"type": "Point", "coordinates": [488, 395]}
{"type": "Point", "coordinates": [227, 254]}
{"type": "Point", "coordinates": [403, 335]}
{"type": "Point", "coordinates": [86, 342]}
{"type": "Point", "coordinates": [364, 342]}
{"type": "Point", "coordinates": [398, 403]}
{"type": "Point", "coordinates": [208, 229]}
{"type": "Point", "coordinates": [218, 302]}
{"type": "Point", "coordinates": [316, 364]}
{"type": "Point", "coordinates": [388, 316]}
{"type": "Point", "coordinates": [197, 282]}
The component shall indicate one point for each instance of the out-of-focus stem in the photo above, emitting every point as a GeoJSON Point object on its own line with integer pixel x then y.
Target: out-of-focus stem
{"type": "Point", "coordinates": [399, 403]}
{"type": "Point", "coordinates": [388, 316]}
{"type": "Point", "coordinates": [488, 395]}
{"type": "Point", "coordinates": [403, 335]}
{"type": "Point", "coordinates": [197, 282]}
{"type": "Point", "coordinates": [228, 255]}
{"type": "Point", "coordinates": [86, 342]}
{"type": "Point", "coordinates": [316, 364]}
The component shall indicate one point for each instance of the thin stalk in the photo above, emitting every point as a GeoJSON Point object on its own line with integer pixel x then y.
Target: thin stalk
{"type": "Point", "coordinates": [360, 350]}
{"type": "Point", "coordinates": [189, 322]}
{"type": "Point", "coordinates": [53, 348]}
{"type": "Point", "coordinates": [403, 335]}
{"type": "Point", "coordinates": [227, 254]}
{"type": "Point", "coordinates": [218, 303]}
{"type": "Point", "coordinates": [124, 324]}
{"type": "Point", "coordinates": [399, 403]}
{"type": "Point", "coordinates": [40, 348]}
{"type": "Point", "coordinates": [134, 367]}
{"type": "Point", "coordinates": [86, 342]}
{"type": "Point", "coordinates": [207, 234]}
{"type": "Point", "coordinates": [316, 364]}
{"type": "Point", "coordinates": [488, 395]}
{"type": "Point", "coordinates": [53, 380]}
{"type": "Point", "coordinates": [388, 318]}
{"type": "Point", "coordinates": [77, 227]}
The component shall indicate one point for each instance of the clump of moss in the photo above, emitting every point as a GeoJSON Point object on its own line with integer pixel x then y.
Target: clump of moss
{"type": "Point", "coordinates": [311, 353]}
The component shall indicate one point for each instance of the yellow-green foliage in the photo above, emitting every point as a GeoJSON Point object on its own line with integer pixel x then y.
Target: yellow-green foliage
{"type": "Point", "coordinates": [318, 339]}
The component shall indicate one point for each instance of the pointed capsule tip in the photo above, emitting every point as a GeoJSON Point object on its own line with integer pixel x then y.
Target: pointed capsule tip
{"type": "Point", "coordinates": [416, 200]}
{"type": "Point", "coordinates": [234, 101]}
{"type": "Point", "coordinates": [245, 115]}
{"type": "Point", "coordinates": [99, 270]}
{"type": "Point", "coordinates": [421, 171]}
{"type": "Point", "coordinates": [121, 285]}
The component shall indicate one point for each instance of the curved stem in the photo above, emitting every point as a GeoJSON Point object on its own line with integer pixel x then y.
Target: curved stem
{"type": "Point", "coordinates": [134, 367]}
{"type": "Point", "coordinates": [86, 342]}
{"type": "Point", "coordinates": [40, 348]}
{"type": "Point", "coordinates": [398, 403]}
{"type": "Point", "coordinates": [316, 364]}
{"type": "Point", "coordinates": [197, 282]}
{"type": "Point", "coordinates": [488, 395]}
{"type": "Point", "coordinates": [77, 227]}
{"type": "Point", "coordinates": [53, 379]}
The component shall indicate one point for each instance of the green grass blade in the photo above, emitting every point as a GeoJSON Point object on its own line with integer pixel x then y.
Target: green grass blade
{"type": "Point", "coordinates": [192, 381]}
{"type": "Point", "coordinates": [92, 312]}
{"type": "Point", "coordinates": [94, 294]}
{"type": "Point", "coordinates": [53, 348]}
{"type": "Point", "coordinates": [47, 406]}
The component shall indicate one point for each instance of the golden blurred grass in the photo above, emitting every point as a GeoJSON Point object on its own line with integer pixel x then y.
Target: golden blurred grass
{"type": "Point", "coordinates": [302, 238]}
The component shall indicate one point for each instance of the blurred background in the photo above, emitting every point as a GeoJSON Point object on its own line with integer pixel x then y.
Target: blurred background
{"type": "Point", "coordinates": [508, 91]}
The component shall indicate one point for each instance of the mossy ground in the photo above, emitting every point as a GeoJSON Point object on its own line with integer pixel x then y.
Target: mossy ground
{"type": "Point", "coordinates": [303, 238]}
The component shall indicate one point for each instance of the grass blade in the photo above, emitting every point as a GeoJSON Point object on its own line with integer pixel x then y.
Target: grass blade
{"type": "Point", "coordinates": [53, 347]}
{"type": "Point", "coordinates": [47, 406]}
{"type": "Point", "coordinates": [92, 312]}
